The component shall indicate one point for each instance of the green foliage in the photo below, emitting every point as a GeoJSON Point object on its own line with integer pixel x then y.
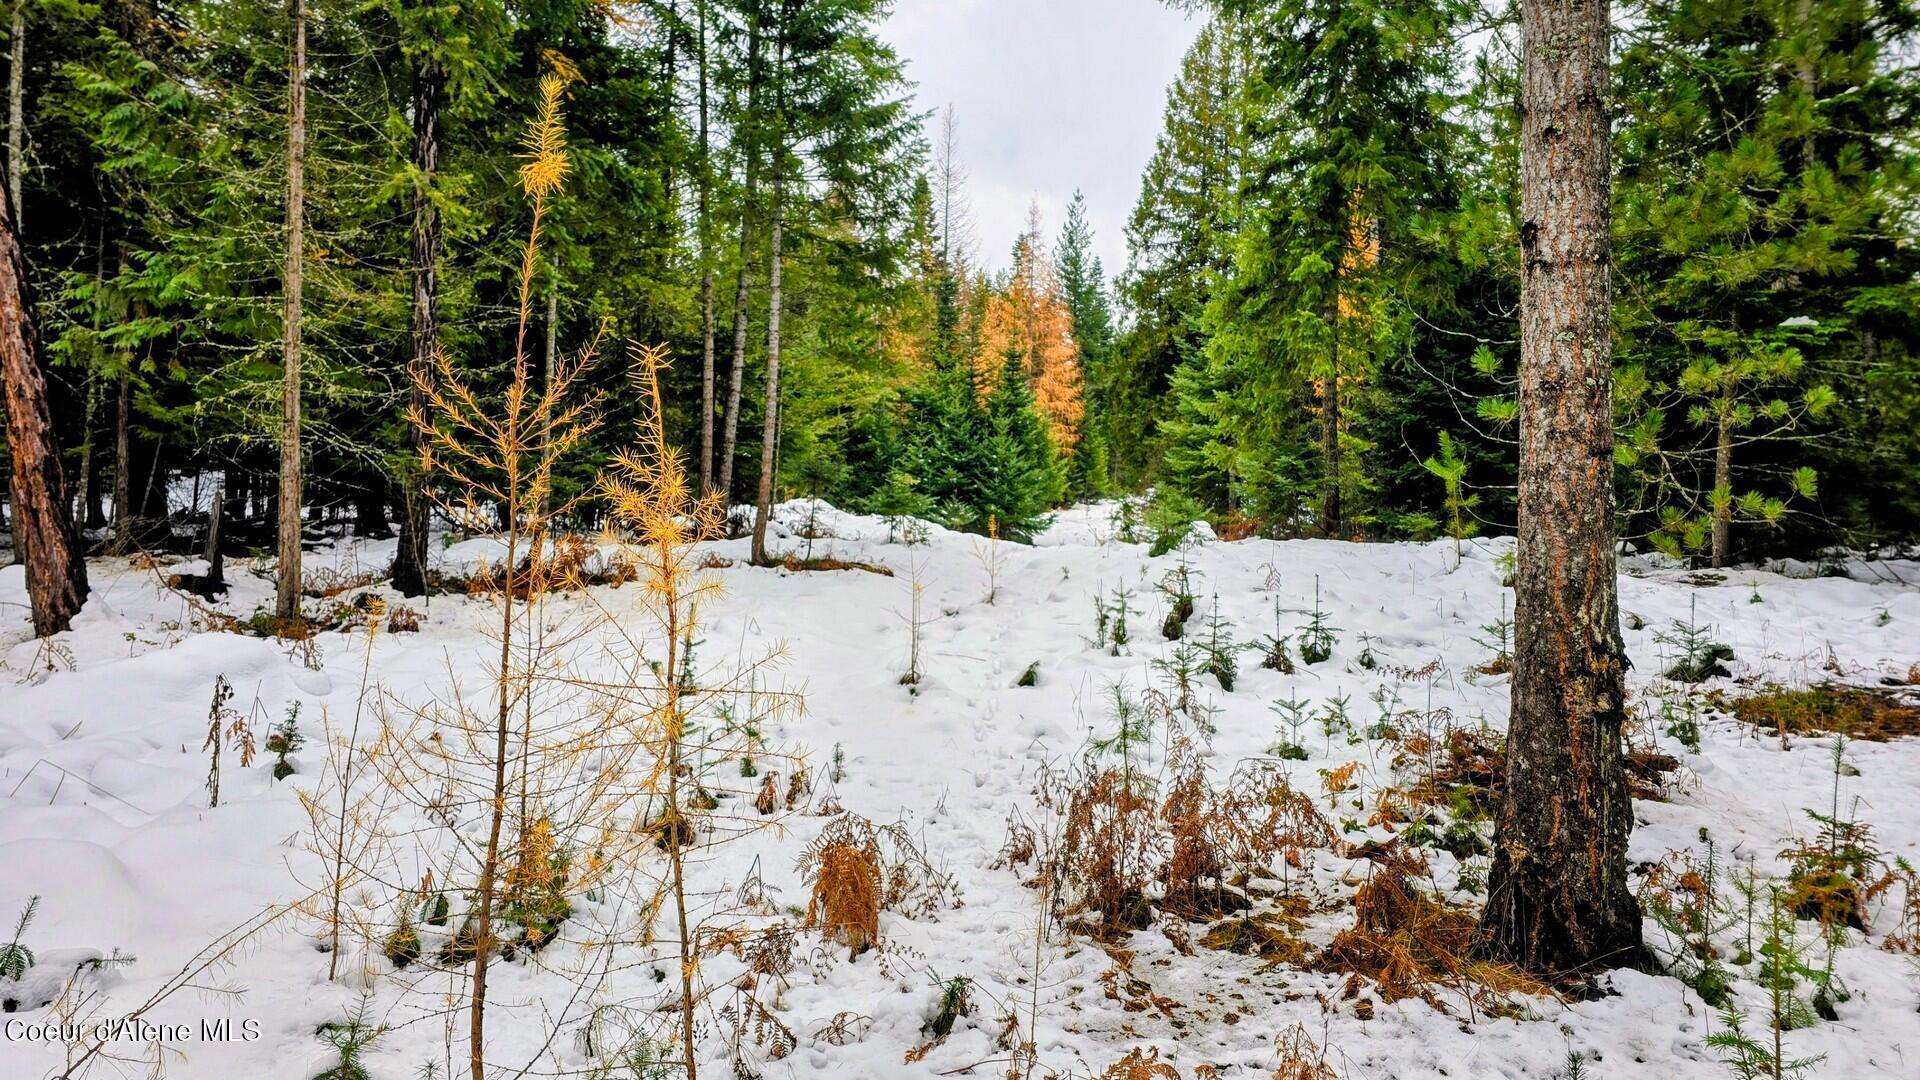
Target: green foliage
{"type": "Point", "coordinates": [1132, 733]}
{"type": "Point", "coordinates": [350, 1038]}
{"type": "Point", "coordinates": [1764, 155]}
{"type": "Point", "coordinates": [16, 958]}
{"type": "Point", "coordinates": [966, 460]}
{"type": "Point", "coordinates": [1317, 635]}
{"type": "Point", "coordinates": [1170, 518]}
{"type": "Point", "coordinates": [956, 1001]}
{"type": "Point", "coordinates": [284, 740]}
{"type": "Point", "coordinates": [1452, 471]}
{"type": "Point", "coordinates": [1696, 655]}
{"type": "Point", "coordinates": [1782, 973]}
{"type": "Point", "coordinates": [1218, 649]}
{"type": "Point", "coordinates": [1292, 713]}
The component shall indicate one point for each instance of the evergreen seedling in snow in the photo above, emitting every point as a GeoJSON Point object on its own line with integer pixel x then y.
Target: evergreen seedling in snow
{"type": "Point", "coordinates": [1274, 648]}
{"type": "Point", "coordinates": [1293, 713]}
{"type": "Point", "coordinates": [1452, 471]}
{"type": "Point", "coordinates": [284, 740]}
{"type": "Point", "coordinates": [1317, 636]}
{"type": "Point", "coordinates": [1498, 639]}
{"type": "Point", "coordinates": [350, 1039]}
{"type": "Point", "coordinates": [16, 958]}
{"type": "Point", "coordinates": [1118, 636]}
{"type": "Point", "coordinates": [1699, 656]}
{"type": "Point", "coordinates": [1219, 649]}
{"type": "Point", "coordinates": [1783, 968]}
{"type": "Point", "coordinates": [1177, 587]}
{"type": "Point", "coordinates": [1133, 726]}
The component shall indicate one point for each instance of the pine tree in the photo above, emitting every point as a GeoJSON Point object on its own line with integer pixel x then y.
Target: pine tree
{"type": "Point", "coordinates": [1760, 198]}
{"type": "Point", "coordinates": [1083, 287]}
{"type": "Point", "coordinates": [1179, 239]}
{"type": "Point", "coordinates": [1325, 247]}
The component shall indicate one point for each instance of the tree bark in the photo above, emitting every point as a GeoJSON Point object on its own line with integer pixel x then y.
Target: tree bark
{"type": "Point", "coordinates": [216, 560]}
{"type": "Point", "coordinates": [1330, 510]}
{"type": "Point", "coordinates": [1723, 484]}
{"type": "Point", "coordinates": [730, 429]}
{"type": "Point", "coordinates": [770, 422]}
{"type": "Point", "coordinates": [16, 113]}
{"type": "Point", "coordinates": [429, 93]}
{"type": "Point", "coordinates": [122, 461]}
{"type": "Point", "coordinates": [705, 180]}
{"type": "Point", "coordinates": [287, 590]}
{"type": "Point", "coordinates": [1558, 902]}
{"type": "Point", "coordinates": [44, 539]}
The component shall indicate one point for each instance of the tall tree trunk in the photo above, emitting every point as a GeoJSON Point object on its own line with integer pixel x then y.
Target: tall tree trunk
{"type": "Point", "coordinates": [16, 113]}
{"type": "Point", "coordinates": [1557, 896]}
{"type": "Point", "coordinates": [123, 512]}
{"type": "Point", "coordinates": [770, 422]}
{"type": "Point", "coordinates": [1723, 482]}
{"type": "Point", "coordinates": [705, 180]}
{"type": "Point", "coordinates": [287, 591]}
{"type": "Point", "coordinates": [216, 561]}
{"type": "Point", "coordinates": [44, 539]}
{"type": "Point", "coordinates": [429, 94]}
{"type": "Point", "coordinates": [1330, 512]}
{"type": "Point", "coordinates": [730, 429]}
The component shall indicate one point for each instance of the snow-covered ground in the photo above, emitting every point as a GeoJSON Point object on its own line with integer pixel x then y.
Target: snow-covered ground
{"type": "Point", "coordinates": [104, 810]}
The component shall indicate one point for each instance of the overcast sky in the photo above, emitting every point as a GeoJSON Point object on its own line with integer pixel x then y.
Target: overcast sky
{"type": "Point", "coordinates": [1049, 96]}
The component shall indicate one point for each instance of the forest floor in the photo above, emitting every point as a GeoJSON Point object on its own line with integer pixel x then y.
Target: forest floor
{"type": "Point", "coordinates": [104, 810]}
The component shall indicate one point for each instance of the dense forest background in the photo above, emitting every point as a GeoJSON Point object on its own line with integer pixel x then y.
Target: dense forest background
{"type": "Point", "coordinates": [1314, 333]}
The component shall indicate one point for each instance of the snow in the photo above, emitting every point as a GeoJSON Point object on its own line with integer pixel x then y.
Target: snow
{"type": "Point", "coordinates": [103, 808]}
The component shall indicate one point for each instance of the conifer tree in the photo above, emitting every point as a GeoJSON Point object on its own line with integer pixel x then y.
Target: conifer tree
{"type": "Point", "coordinates": [1083, 286]}
{"type": "Point", "coordinates": [1346, 102]}
{"type": "Point", "coordinates": [1762, 180]}
{"type": "Point", "coordinates": [1179, 239]}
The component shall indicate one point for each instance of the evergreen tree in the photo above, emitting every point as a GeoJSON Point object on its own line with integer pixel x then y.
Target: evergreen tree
{"type": "Point", "coordinates": [1179, 239]}
{"type": "Point", "coordinates": [1766, 177]}
{"type": "Point", "coordinates": [1083, 286]}
{"type": "Point", "coordinates": [1346, 104]}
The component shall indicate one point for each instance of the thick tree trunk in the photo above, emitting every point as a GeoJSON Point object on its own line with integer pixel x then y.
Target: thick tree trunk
{"type": "Point", "coordinates": [410, 558]}
{"type": "Point", "coordinates": [1557, 897]}
{"type": "Point", "coordinates": [730, 428]}
{"type": "Point", "coordinates": [44, 539]}
{"type": "Point", "coordinates": [770, 423]}
{"type": "Point", "coordinates": [287, 590]}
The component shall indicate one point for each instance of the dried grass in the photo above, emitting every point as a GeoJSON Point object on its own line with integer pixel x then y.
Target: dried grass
{"type": "Point", "coordinates": [1872, 715]}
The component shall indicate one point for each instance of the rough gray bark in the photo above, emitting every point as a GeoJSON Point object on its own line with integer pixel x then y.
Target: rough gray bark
{"type": "Point", "coordinates": [287, 587]}
{"type": "Point", "coordinates": [429, 92]}
{"type": "Point", "coordinates": [44, 539]}
{"type": "Point", "coordinates": [1557, 897]}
